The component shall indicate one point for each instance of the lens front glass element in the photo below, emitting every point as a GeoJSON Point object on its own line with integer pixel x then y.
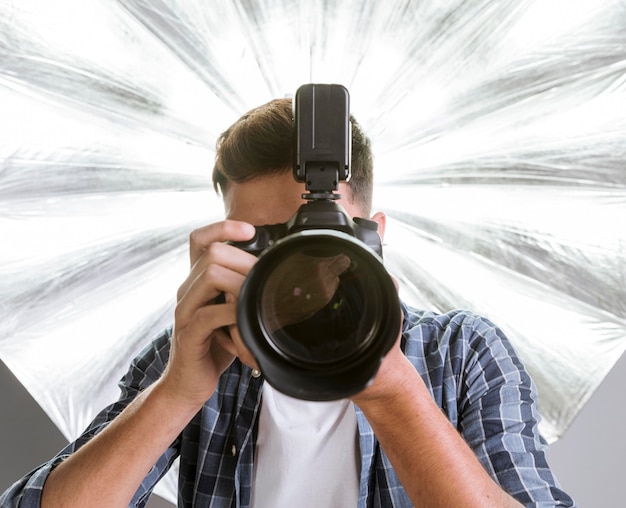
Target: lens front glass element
{"type": "Point", "coordinates": [317, 305]}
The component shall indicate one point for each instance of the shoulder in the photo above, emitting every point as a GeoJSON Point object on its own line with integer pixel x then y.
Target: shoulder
{"type": "Point", "coordinates": [450, 329]}
{"type": "Point", "coordinates": [462, 342]}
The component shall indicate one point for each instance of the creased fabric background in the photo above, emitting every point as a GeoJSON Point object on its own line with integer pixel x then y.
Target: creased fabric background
{"type": "Point", "coordinates": [499, 129]}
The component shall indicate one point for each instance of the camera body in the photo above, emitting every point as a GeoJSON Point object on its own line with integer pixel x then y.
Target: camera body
{"type": "Point", "coordinates": [315, 215]}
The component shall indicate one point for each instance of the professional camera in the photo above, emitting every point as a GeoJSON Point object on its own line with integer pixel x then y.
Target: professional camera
{"type": "Point", "coordinates": [318, 310]}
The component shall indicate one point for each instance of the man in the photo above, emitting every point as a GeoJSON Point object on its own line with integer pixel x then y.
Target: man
{"type": "Point", "coordinates": [450, 419]}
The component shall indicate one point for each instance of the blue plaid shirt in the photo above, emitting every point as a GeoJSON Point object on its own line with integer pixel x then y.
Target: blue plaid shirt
{"type": "Point", "coordinates": [467, 364]}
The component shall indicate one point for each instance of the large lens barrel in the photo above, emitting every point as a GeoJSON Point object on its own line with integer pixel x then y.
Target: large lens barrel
{"type": "Point", "coordinates": [319, 311]}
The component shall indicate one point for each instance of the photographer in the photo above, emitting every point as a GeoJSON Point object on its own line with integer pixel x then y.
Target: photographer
{"type": "Point", "coordinates": [450, 419]}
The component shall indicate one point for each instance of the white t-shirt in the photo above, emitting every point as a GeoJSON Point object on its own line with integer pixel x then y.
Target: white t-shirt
{"type": "Point", "coordinates": [307, 453]}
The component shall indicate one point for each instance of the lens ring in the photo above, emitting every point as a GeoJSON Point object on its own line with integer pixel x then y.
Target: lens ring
{"type": "Point", "coordinates": [306, 351]}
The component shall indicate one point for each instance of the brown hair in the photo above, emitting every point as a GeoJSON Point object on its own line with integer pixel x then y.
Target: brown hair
{"type": "Point", "coordinates": [261, 143]}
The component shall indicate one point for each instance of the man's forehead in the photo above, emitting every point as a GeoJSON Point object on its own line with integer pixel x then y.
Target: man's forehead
{"type": "Point", "coordinates": [268, 199]}
{"type": "Point", "coordinates": [271, 199]}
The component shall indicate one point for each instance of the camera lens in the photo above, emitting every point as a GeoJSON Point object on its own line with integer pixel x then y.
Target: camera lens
{"type": "Point", "coordinates": [318, 311]}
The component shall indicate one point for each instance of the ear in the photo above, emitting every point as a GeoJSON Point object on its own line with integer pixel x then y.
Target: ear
{"type": "Point", "coordinates": [381, 219]}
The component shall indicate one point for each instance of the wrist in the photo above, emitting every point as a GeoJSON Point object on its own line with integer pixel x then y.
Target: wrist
{"type": "Point", "coordinates": [395, 378]}
{"type": "Point", "coordinates": [172, 394]}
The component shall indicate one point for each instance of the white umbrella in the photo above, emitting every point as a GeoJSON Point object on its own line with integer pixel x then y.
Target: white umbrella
{"type": "Point", "coordinates": [499, 129]}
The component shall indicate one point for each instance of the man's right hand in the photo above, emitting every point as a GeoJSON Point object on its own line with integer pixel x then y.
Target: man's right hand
{"type": "Point", "coordinates": [201, 347]}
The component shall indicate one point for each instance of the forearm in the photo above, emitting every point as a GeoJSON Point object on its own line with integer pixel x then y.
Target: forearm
{"type": "Point", "coordinates": [108, 470]}
{"type": "Point", "coordinates": [433, 462]}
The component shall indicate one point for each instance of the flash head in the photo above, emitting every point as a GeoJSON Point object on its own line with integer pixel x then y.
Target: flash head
{"type": "Point", "coordinates": [323, 138]}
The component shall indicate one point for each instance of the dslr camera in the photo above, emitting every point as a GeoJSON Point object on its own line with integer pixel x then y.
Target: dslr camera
{"type": "Point", "coordinates": [318, 310]}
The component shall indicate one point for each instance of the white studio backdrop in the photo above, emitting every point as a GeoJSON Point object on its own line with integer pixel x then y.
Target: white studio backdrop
{"type": "Point", "coordinates": [499, 129]}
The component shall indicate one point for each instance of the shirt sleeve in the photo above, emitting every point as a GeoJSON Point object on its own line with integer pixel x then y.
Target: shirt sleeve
{"type": "Point", "coordinates": [144, 370]}
{"type": "Point", "coordinates": [498, 416]}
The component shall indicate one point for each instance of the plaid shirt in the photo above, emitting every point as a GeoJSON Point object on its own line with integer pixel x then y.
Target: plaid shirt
{"type": "Point", "coordinates": [467, 364]}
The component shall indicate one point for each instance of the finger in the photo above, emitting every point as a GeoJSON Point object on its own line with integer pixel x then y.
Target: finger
{"type": "Point", "coordinates": [212, 281]}
{"type": "Point", "coordinates": [229, 230]}
{"type": "Point", "coordinates": [219, 254]}
{"type": "Point", "coordinates": [208, 321]}
{"type": "Point", "coordinates": [225, 342]}
{"type": "Point", "coordinates": [339, 264]}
